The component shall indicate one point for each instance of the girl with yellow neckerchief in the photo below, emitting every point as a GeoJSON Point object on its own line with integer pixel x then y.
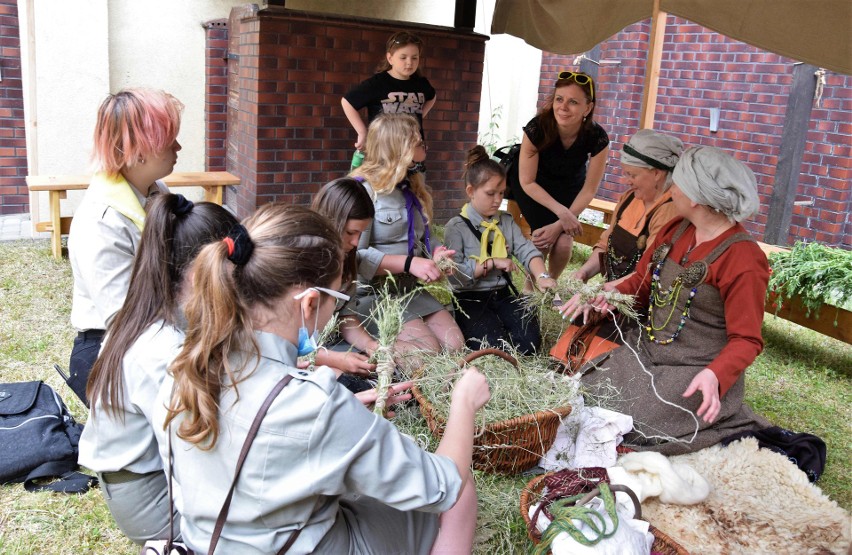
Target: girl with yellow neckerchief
{"type": "Point", "coordinates": [135, 145]}
{"type": "Point", "coordinates": [485, 240]}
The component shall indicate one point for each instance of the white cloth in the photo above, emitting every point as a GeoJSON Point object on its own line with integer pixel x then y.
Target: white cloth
{"type": "Point", "coordinates": [651, 474]}
{"type": "Point", "coordinates": [632, 537]}
{"type": "Point", "coordinates": [127, 441]}
{"type": "Point", "coordinates": [712, 177]}
{"type": "Point", "coordinates": [101, 247]}
{"type": "Point", "coordinates": [587, 438]}
{"type": "Point", "coordinates": [316, 445]}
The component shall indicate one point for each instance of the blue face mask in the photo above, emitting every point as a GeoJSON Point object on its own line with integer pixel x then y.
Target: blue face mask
{"type": "Point", "coordinates": [308, 343]}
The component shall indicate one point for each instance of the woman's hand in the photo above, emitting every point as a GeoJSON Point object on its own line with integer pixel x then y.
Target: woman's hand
{"type": "Point", "coordinates": [545, 237]}
{"type": "Point", "coordinates": [574, 307]}
{"type": "Point", "coordinates": [545, 283]}
{"type": "Point", "coordinates": [361, 141]}
{"type": "Point", "coordinates": [396, 394]}
{"type": "Point", "coordinates": [570, 224]}
{"type": "Point", "coordinates": [425, 269]}
{"type": "Point", "coordinates": [471, 389]}
{"type": "Point", "coordinates": [708, 384]}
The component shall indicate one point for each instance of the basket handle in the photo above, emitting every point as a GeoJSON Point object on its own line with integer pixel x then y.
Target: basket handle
{"type": "Point", "coordinates": [615, 487]}
{"type": "Point", "coordinates": [482, 352]}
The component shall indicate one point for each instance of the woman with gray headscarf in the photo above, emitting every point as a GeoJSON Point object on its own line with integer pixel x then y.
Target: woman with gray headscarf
{"type": "Point", "coordinates": [703, 281]}
{"type": "Point", "coordinates": [647, 161]}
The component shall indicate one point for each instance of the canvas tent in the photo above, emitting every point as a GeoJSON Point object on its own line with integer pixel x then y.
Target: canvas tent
{"type": "Point", "coordinates": [814, 31]}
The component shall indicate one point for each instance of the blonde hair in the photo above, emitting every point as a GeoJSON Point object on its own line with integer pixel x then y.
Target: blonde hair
{"type": "Point", "coordinates": [389, 152]}
{"type": "Point", "coordinates": [134, 124]}
{"type": "Point", "coordinates": [293, 246]}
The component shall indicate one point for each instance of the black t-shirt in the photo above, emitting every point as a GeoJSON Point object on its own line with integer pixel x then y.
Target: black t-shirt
{"type": "Point", "coordinates": [384, 94]}
{"type": "Point", "coordinates": [561, 171]}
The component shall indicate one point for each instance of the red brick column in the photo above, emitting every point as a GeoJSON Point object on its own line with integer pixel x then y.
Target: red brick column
{"type": "Point", "coordinates": [14, 198]}
{"type": "Point", "coordinates": [287, 134]}
{"type": "Point", "coordinates": [216, 94]}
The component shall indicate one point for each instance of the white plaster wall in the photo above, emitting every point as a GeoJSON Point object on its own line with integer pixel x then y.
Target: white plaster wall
{"type": "Point", "coordinates": [432, 12]}
{"type": "Point", "coordinates": [509, 82]}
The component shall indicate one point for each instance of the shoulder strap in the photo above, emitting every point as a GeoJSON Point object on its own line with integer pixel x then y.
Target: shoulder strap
{"type": "Point", "coordinates": [680, 229]}
{"type": "Point", "coordinates": [723, 246]}
{"type": "Point", "coordinates": [478, 235]}
{"type": "Point", "coordinates": [255, 426]}
{"type": "Point", "coordinates": [624, 205]}
{"type": "Point", "coordinates": [651, 215]}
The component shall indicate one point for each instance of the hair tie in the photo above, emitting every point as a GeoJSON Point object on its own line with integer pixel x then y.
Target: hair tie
{"type": "Point", "coordinates": [239, 244]}
{"type": "Point", "coordinates": [359, 178]}
{"type": "Point", "coordinates": [647, 159]}
{"type": "Point", "coordinates": [183, 207]}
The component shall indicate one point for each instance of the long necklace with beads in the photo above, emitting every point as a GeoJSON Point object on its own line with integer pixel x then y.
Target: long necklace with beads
{"type": "Point", "coordinates": [662, 299]}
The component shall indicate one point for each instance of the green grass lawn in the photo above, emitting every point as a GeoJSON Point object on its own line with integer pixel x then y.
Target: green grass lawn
{"type": "Point", "coordinates": [800, 382]}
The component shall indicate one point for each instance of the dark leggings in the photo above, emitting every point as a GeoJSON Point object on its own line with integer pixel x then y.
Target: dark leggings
{"type": "Point", "coordinates": [492, 316]}
{"type": "Point", "coordinates": [87, 345]}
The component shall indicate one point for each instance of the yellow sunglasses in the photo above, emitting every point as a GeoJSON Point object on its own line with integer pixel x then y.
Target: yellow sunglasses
{"type": "Point", "coordinates": [580, 79]}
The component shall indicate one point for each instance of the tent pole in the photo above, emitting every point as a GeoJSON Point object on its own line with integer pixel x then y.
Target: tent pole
{"type": "Point", "coordinates": [652, 67]}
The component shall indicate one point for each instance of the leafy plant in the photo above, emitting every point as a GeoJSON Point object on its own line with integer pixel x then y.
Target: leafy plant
{"type": "Point", "coordinates": [815, 273]}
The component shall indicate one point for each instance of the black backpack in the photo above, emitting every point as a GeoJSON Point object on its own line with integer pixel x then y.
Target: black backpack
{"type": "Point", "coordinates": [507, 156]}
{"type": "Point", "coordinates": [38, 439]}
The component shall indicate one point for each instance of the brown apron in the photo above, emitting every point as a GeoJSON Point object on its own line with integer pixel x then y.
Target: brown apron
{"type": "Point", "coordinates": [623, 249]}
{"type": "Point", "coordinates": [620, 384]}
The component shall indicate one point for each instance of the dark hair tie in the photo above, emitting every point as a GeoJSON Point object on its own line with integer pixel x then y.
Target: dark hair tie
{"type": "Point", "coordinates": [647, 159]}
{"type": "Point", "coordinates": [239, 244]}
{"type": "Point", "coordinates": [183, 207]}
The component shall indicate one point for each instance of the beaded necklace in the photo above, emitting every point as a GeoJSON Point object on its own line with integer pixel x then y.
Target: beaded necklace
{"type": "Point", "coordinates": [690, 277]}
{"type": "Point", "coordinates": [615, 260]}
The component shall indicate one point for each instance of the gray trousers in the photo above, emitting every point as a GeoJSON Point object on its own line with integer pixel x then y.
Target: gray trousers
{"type": "Point", "coordinates": [141, 507]}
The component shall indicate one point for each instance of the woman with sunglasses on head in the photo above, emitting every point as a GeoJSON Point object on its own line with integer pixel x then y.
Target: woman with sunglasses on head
{"type": "Point", "coordinates": [135, 146]}
{"type": "Point", "coordinates": [119, 441]}
{"type": "Point", "coordinates": [323, 474]}
{"type": "Point", "coordinates": [561, 163]}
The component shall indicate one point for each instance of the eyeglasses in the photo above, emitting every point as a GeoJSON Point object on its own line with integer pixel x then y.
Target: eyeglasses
{"type": "Point", "coordinates": [580, 79]}
{"type": "Point", "coordinates": [341, 298]}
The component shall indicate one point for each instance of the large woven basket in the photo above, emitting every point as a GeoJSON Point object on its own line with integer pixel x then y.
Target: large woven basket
{"type": "Point", "coordinates": [532, 493]}
{"type": "Point", "coordinates": [505, 447]}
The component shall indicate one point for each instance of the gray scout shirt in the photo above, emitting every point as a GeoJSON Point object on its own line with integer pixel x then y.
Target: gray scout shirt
{"type": "Point", "coordinates": [459, 237]}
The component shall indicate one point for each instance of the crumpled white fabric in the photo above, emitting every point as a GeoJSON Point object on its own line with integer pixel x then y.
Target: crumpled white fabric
{"type": "Point", "coordinates": [651, 474]}
{"type": "Point", "coordinates": [632, 537]}
{"type": "Point", "coordinates": [587, 438]}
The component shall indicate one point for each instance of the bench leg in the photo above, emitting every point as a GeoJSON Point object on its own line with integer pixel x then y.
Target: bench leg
{"type": "Point", "coordinates": [213, 193]}
{"type": "Point", "coordinates": [56, 225]}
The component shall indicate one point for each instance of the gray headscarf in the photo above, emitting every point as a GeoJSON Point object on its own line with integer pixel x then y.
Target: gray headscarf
{"type": "Point", "coordinates": [651, 150]}
{"type": "Point", "coordinates": [711, 177]}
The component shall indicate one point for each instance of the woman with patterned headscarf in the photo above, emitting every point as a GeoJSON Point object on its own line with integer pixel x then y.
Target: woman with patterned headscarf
{"type": "Point", "coordinates": [681, 375]}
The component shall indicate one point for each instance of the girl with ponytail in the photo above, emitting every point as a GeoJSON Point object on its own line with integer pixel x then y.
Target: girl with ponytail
{"type": "Point", "coordinates": [118, 441]}
{"type": "Point", "coordinates": [323, 474]}
{"type": "Point", "coordinates": [485, 241]}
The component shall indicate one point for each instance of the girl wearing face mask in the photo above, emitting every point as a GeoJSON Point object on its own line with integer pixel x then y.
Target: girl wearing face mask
{"type": "Point", "coordinates": [485, 240]}
{"type": "Point", "coordinates": [324, 474]}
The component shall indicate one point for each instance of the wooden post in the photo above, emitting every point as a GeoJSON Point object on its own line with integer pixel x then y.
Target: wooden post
{"type": "Point", "coordinates": [793, 138]}
{"type": "Point", "coordinates": [465, 14]}
{"type": "Point", "coordinates": [652, 67]}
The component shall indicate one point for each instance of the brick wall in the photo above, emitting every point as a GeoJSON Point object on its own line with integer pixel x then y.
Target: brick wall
{"type": "Point", "coordinates": [287, 134]}
{"type": "Point", "coordinates": [701, 69]}
{"type": "Point", "coordinates": [216, 94]}
{"type": "Point", "coordinates": [14, 198]}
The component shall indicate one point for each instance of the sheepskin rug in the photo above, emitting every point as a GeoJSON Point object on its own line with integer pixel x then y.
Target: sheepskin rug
{"type": "Point", "coordinates": [759, 503]}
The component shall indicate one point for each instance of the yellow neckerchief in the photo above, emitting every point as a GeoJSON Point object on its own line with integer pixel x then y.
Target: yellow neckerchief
{"type": "Point", "coordinates": [118, 194]}
{"type": "Point", "coordinates": [498, 246]}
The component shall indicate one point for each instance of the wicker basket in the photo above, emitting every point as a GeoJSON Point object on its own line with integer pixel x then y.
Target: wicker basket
{"type": "Point", "coordinates": [505, 447]}
{"type": "Point", "coordinates": [532, 492]}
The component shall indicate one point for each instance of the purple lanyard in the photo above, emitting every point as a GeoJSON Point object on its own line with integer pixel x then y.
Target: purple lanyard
{"type": "Point", "coordinates": [412, 203]}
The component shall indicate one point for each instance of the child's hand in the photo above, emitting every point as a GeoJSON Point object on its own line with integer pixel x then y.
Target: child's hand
{"type": "Point", "coordinates": [425, 269]}
{"type": "Point", "coordinates": [504, 264]}
{"type": "Point", "coordinates": [441, 252]}
{"type": "Point", "coordinates": [471, 389]}
{"type": "Point", "coordinates": [396, 394]}
{"type": "Point", "coordinates": [355, 363]}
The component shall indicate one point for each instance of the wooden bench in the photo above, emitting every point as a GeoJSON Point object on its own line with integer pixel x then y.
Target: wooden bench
{"type": "Point", "coordinates": [57, 187]}
{"type": "Point", "coordinates": [791, 310]}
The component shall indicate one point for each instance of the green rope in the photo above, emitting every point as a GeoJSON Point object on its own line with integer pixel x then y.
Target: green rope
{"type": "Point", "coordinates": [564, 511]}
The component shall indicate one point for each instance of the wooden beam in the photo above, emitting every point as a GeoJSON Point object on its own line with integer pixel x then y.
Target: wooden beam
{"type": "Point", "coordinates": [465, 15]}
{"type": "Point", "coordinates": [793, 139]}
{"type": "Point", "coordinates": [652, 67]}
